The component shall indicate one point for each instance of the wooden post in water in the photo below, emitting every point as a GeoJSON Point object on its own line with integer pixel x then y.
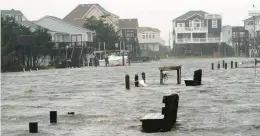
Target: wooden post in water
{"type": "Point", "coordinates": [127, 82]}
{"type": "Point", "coordinates": [136, 80]}
{"type": "Point", "coordinates": [178, 76]}
{"type": "Point", "coordinates": [53, 116]}
{"type": "Point", "coordinates": [212, 66]}
{"type": "Point", "coordinates": [218, 65]}
{"type": "Point", "coordinates": [161, 77]}
{"type": "Point", "coordinates": [231, 64]}
{"type": "Point", "coordinates": [225, 65]}
{"type": "Point", "coordinates": [33, 127]}
{"type": "Point", "coordinates": [235, 64]}
{"type": "Point", "coordinates": [143, 76]}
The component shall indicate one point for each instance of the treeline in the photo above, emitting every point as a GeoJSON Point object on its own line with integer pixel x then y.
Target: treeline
{"type": "Point", "coordinates": [11, 58]}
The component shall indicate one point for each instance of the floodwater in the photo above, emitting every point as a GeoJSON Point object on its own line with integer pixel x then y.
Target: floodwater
{"type": "Point", "coordinates": [228, 102]}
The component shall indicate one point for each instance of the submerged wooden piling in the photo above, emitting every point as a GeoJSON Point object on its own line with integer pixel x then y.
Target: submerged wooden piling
{"type": "Point", "coordinates": [218, 65]}
{"type": "Point", "coordinates": [127, 82]}
{"type": "Point", "coordinates": [235, 64]}
{"type": "Point", "coordinates": [143, 76]}
{"type": "Point", "coordinates": [53, 116]}
{"type": "Point", "coordinates": [33, 127]}
{"type": "Point", "coordinates": [136, 80]}
{"type": "Point", "coordinates": [212, 66]}
{"type": "Point", "coordinates": [225, 65]}
{"type": "Point", "coordinates": [231, 64]}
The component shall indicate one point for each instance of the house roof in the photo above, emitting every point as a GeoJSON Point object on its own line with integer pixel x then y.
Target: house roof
{"type": "Point", "coordinates": [30, 24]}
{"type": "Point", "coordinates": [60, 20]}
{"type": "Point", "coordinates": [128, 23]}
{"type": "Point", "coordinates": [12, 12]}
{"type": "Point", "coordinates": [141, 29]}
{"type": "Point", "coordinates": [76, 14]}
{"type": "Point", "coordinates": [251, 18]}
{"type": "Point", "coordinates": [191, 13]}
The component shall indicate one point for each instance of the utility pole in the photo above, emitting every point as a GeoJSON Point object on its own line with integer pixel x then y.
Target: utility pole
{"type": "Point", "coordinates": [254, 13]}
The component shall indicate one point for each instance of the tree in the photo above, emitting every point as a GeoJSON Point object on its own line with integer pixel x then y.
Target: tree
{"type": "Point", "coordinates": [43, 45]}
{"type": "Point", "coordinates": [10, 32]}
{"type": "Point", "coordinates": [104, 32]}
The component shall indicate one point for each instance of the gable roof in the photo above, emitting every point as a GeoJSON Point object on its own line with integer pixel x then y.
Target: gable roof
{"type": "Point", "coordinates": [62, 21]}
{"type": "Point", "coordinates": [251, 18]}
{"type": "Point", "coordinates": [191, 13]}
{"type": "Point", "coordinates": [30, 24]}
{"type": "Point", "coordinates": [76, 15]}
{"type": "Point", "coordinates": [141, 29]}
{"type": "Point", "coordinates": [12, 12]}
{"type": "Point", "coordinates": [128, 23]}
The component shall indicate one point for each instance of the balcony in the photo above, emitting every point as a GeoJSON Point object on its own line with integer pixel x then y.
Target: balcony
{"type": "Point", "coordinates": [191, 29]}
{"type": "Point", "coordinates": [197, 40]}
{"type": "Point", "coordinates": [251, 27]}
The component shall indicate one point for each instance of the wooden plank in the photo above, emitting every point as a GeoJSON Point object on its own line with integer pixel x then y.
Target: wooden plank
{"type": "Point", "coordinates": [152, 116]}
{"type": "Point", "coordinates": [147, 116]}
{"type": "Point", "coordinates": [168, 68]}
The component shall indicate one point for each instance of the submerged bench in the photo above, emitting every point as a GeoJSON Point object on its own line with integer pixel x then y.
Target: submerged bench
{"type": "Point", "coordinates": [170, 68]}
{"type": "Point", "coordinates": [155, 122]}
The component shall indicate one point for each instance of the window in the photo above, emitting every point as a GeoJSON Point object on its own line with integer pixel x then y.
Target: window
{"type": "Point", "coordinates": [143, 36]}
{"type": "Point", "coordinates": [214, 23]}
{"type": "Point", "coordinates": [190, 23]}
{"type": "Point", "coordinates": [180, 25]}
{"type": "Point", "coordinates": [146, 36]}
{"type": "Point", "coordinates": [153, 36]}
{"type": "Point", "coordinates": [150, 36]}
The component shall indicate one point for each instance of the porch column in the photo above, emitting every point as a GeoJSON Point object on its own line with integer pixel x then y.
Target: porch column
{"type": "Point", "coordinates": [207, 36]}
{"type": "Point", "coordinates": [191, 37]}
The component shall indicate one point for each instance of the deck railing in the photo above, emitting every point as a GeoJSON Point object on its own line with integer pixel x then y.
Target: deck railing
{"type": "Point", "coordinates": [198, 40]}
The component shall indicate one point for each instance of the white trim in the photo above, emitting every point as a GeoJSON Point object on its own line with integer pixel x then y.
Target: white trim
{"type": "Point", "coordinates": [189, 17]}
{"type": "Point", "coordinates": [149, 29]}
{"type": "Point", "coordinates": [193, 15]}
{"type": "Point", "coordinates": [79, 28]}
{"type": "Point", "coordinates": [216, 23]}
{"type": "Point", "coordinates": [101, 13]}
{"type": "Point", "coordinates": [87, 12]}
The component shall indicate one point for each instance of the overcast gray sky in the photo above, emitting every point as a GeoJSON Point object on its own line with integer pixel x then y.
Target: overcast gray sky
{"type": "Point", "coordinates": [152, 13]}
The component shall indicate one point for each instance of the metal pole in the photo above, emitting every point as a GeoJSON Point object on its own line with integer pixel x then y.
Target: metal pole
{"type": "Point", "coordinates": [99, 51]}
{"type": "Point", "coordinates": [120, 46]}
{"type": "Point", "coordinates": [254, 45]}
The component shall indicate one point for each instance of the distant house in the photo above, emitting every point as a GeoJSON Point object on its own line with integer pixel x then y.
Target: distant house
{"type": "Point", "coordinates": [128, 30]}
{"type": "Point", "coordinates": [63, 31]}
{"type": "Point", "coordinates": [17, 14]}
{"type": "Point", "coordinates": [79, 15]}
{"type": "Point", "coordinates": [238, 38]}
{"type": "Point", "coordinates": [149, 40]}
{"type": "Point", "coordinates": [249, 25]}
{"type": "Point", "coordinates": [197, 33]}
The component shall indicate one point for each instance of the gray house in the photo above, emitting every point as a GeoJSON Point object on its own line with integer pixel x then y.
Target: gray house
{"type": "Point", "coordinates": [129, 33]}
{"type": "Point", "coordinates": [17, 14]}
{"type": "Point", "coordinates": [197, 33]}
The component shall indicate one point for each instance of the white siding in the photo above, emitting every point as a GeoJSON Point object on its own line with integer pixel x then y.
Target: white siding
{"type": "Point", "coordinates": [147, 38]}
{"type": "Point", "coordinates": [56, 25]}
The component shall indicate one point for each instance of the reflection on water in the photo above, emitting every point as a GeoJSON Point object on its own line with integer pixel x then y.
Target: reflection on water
{"type": "Point", "coordinates": [228, 103]}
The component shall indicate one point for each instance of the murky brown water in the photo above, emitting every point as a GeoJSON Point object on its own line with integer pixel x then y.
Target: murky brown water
{"type": "Point", "coordinates": [227, 104]}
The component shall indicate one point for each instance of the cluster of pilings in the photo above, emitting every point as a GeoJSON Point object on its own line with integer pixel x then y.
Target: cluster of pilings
{"type": "Point", "coordinates": [33, 126]}
{"type": "Point", "coordinates": [136, 80]}
{"type": "Point", "coordinates": [224, 65]}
